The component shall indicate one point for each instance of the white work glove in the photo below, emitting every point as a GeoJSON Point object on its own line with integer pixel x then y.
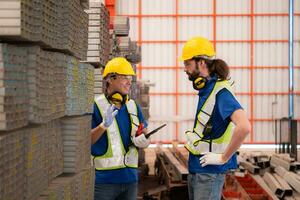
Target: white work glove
{"type": "Point", "coordinates": [210, 158]}
{"type": "Point", "coordinates": [109, 116]}
{"type": "Point", "coordinates": [141, 141]}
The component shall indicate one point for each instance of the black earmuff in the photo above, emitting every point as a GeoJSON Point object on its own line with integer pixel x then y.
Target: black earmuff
{"type": "Point", "coordinates": [199, 83]}
{"type": "Point", "coordinates": [119, 98]}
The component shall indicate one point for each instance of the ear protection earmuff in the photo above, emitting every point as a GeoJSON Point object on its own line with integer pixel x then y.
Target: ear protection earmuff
{"type": "Point", "coordinates": [199, 83]}
{"type": "Point", "coordinates": [119, 98]}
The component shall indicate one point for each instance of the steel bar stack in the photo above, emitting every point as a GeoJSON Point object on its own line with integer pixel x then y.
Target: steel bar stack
{"type": "Point", "coordinates": [86, 87]}
{"type": "Point", "coordinates": [13, 87]}
{"type": "Point", "coordinates": [36, 176]}
{"type": "Point", "coordinates": [11, 159]}
{"type": "Point", "coordinates": [76, 143]}
{"type": "Point", "coordinates": [113, 44]}
{"type": "Point", "coordinates": [98, 89]}
{"type": "Point", "coordinates": [47, 84]}
{"type": "Point", "coordinates": [41, 82]}
{"type": "Point", "coordinates": [79, 82]}
{"type": "Point", "coordinates": [57, 25]}
{"type": "Point", "coordinates": [54, 149]}
{"type": "Point", "coordinates": [120, 25]}
{"type": "Point", "coordinates": [98, 35]}
{"type": "Point", "coordinates": [71, 186]}
{"type": "Point", "coordinates": [74, 28]}
{"type": "Point", "coordinates": [20, 20]}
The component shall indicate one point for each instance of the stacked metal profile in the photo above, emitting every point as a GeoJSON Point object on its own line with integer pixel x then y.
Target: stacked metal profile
{"type": "Point", "coordinates": [80, 81]}
{"type": "Point", "coordinates": [124, 45]}
{"type": "Point", "coordinates": [71, 186]}
{"type": "Point", "coordinates": [120, 25]}
{"type": "Point", "coordinates": [85, 4]}
{"type": "Point", "coordinates": [20, 19]}
{"type": "Point", "coordinates": [98, 36]}
{"type": "Point", "coordinates": [54, 149]}
{"type": "Point", "coordinates": [47, 81]}
{"type": "Point", "coordinates": [59, 85]}
{"type": "Point", "coordinates": [12, 177]}
{"type": "Point", "coordinates": [113, 44]}
{"type": "Point", "coordinates": [55, 24]}
{"type": "Point", "coordinates": [13, 87]}
{"type": "Point", "coordinates": [36, 176]}
{"type": "Point", "coordinates": [135, 55]}
{"type": "Point", "coordinates": [143, 98]}
{"type": "Point", "coordinates": [98, 89]}
{"type": "Point", "coordinates": [74, 28]}
{"type": "Point", "coordinates": [76, 143]}
{"type": "Point", "coordinates": [86, 86]}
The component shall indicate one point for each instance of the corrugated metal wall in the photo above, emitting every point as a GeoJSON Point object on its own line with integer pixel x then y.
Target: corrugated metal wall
{"type": "Point", "coordinates": [250, 35]}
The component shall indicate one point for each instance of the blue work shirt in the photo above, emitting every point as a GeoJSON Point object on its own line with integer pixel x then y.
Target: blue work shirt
{"type": "Point", "coordinates": [116, 176]}
{"type": "Point", "coordinates": [225, 105]}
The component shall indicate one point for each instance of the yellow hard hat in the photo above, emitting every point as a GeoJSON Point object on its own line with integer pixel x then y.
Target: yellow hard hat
{"type": "Point", "coordinates": [197, 46]}
{"type": "Point", "coordinates": [118, 65]}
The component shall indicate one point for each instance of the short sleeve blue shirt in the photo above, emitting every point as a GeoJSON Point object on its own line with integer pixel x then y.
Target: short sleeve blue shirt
{"type": "Point", "coordinates": [225, 105]}
{"type": "Point", "coordinates": [117, 176]}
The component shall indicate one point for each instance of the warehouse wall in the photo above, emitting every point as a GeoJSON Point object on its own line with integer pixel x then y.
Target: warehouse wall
{"type": "Point", "coordinates": [251, 35]}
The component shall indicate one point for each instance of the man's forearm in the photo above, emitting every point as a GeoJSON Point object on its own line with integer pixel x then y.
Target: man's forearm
{"type": "Point", "coordinates": [239, 134]}
{"type": "Point", "coordinates": [96, 133]}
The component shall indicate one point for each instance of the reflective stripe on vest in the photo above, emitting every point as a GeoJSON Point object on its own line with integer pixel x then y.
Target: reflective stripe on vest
{"type": "Point", "coordinates": [194, 143]}
{"type": "Point", "coordinates": [114, 156]}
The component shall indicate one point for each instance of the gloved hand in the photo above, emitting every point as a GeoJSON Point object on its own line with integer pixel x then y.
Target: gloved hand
{"type": "Point", "coordinates": [141, 141]}
{"type": "Point", "coordinates": [109, 116]}
{"type": "Point", "coordinates": [210, 158]}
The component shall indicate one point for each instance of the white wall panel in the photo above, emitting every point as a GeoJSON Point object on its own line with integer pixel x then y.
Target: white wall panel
{"type": "Point", "coordinates": [271, 54]}
{"type": "Point", "coordinates": [162, 111]}
{"type": "Point", "coordinates": [127, 7]}
{"type": "Point", "coordinates": [133, 23]}
{"type": "Point", "coordinates": [185, 85]}
{"type": "Point", "coordinates": [296, 28]}
{"type": "Point", "coordinates": [271, 80]}
{"type": "Point", "coordinates": [229, 51]}
{"type": "Point", "coordinates": [241, 78]}
{"type": "Point", "coordinates": [162, 107]}
{"type": "Point", "coordinates": [195, 7]}
{"type": "Point", "coordinates": [187, 106]}
{"type": "Point", "coordinates": [297, 79]}
{"type": "Point", "coordinates": [271, 28]}
{"type": "Point", "coordinates": [270, 106]}
{"type": "Point", "coordinates": [158, 28]}
{"type": "Point", "coordinates": [233, 6]}
{"type": "Point", "coordinates": [297, 7]}
{"type": "Point", "coordinates": [158, 55]}
{"type": "Point", "coordinates": [158, 7]}
{"type": "Point", "coordinates": [271, 6]}
{"type": "Point", "coordinates": [195, 26]}
{"type": "Point", "coordinates": [233, 28]}
{"type": "Point", "coordinates": [245, 103]}
{"type": "Point", "coordinates": [297, 53]}
{"type": "Point", "coordinates": [264, 131]}
{"type": "Point", "coordinates": [167, 133]}
{"type": "Point", "coordinates": [163, 79]}
{"type": "Point", "coordinates": [297, 107]}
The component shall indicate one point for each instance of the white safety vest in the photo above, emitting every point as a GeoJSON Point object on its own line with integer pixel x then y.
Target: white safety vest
{"type": "Point", "coordinates": [195, 142]}
{"type": "Point", "coordinates": [116, 157]}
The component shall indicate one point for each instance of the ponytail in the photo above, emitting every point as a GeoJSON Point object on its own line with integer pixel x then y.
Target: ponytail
{"type": "Point", "coordinates": [218, 67]}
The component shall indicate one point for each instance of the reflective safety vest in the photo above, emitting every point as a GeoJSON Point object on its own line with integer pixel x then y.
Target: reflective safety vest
{"type": "Point", "coordinates": [201, 139]}
{"type": "Point", "coordinates": [116, 157]}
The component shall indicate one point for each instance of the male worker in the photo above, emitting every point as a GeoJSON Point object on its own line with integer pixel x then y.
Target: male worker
{"type": "Point", "coordinates": [115, 122]}
{"type": "Point", "coordinates": [220, 124]}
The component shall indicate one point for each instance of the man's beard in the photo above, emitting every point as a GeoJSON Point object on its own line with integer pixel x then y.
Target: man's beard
{"type": "Point", "coordinates": [193, 76]}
